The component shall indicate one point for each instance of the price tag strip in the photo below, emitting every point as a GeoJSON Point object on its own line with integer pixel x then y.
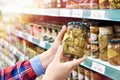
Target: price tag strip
{"type": "Point", "coordinates": [20, 33]}
{"type": "Point", "coordinates": [25, 36]}
{"type": "Point", "coordinates": [42, 44]}
{"type": "Point", "coordinates": [77, 13]}
{"type": "Point", "coordinates": [98, 67]}
{"type": "Point", "coordinates": [29, 37]}
{"type": "Point", "coordinates": [66, 12]}
{"type": "Point", "coordinates": [35, 40]}
{"type": "Point", "coordinates": [95, 14]}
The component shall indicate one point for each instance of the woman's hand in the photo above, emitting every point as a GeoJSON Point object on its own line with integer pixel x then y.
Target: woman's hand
{"type": "Point", "coordinates": [59, 71]}
{"type": "Point", "coordinates": [48, 55]}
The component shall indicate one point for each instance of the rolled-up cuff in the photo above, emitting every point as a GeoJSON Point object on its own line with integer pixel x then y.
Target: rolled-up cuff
{"type": "Point", "coordinates": [37, 66]}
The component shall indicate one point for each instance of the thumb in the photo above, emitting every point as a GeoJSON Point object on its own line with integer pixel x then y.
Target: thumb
{"type": "Point", "coordinates": [58, 53]}
{"type": "Point", "coordinates": [77, 61]}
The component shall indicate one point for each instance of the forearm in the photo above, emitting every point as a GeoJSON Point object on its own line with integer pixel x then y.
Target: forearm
{"type": "Point", "coordinates": [46, 58]}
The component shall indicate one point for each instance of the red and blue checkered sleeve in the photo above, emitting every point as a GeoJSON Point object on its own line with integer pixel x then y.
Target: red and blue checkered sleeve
{"type": "Point", "coordinates": [21, 71]}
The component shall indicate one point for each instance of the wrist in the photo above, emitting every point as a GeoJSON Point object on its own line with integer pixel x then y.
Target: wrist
{"type": "Point", "coordinates": [48, 78]}
{"type": "Point", "coordinates": [46, 57]}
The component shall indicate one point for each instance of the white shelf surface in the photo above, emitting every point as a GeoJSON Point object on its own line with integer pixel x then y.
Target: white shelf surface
{"type": "Point", "coordinates": [110, 15]}
{"type": "Point", "coordinates": [32, 39]}
{"type": "Point", "coordinates": [102, 67]}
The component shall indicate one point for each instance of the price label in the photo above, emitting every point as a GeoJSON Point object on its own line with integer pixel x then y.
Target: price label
{"type": "Point", "coordinates": [24, 36]}
{"type": "Point", "coordinates": [16, 32]}
{"type": "Point", "coordinates": [20, 33]}
{"type": "Point", "coordinates": [77, 13]}
{"type": "Point", "coordinates": [14, 51]}
{"type": "Point", "coordinates": [97, 14]}
{"type": "Point", "coordinates": [98, 67]}
{"type": "Point", "coordinates": [66, 12]}
{"type": "Point", "coordinates": [42, 44]}
{"type": "Point", "coordinates": [29, 38]}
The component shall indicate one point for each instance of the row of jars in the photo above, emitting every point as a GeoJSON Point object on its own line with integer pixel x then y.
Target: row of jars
{"type": "Point", "coordinates": [82, 4]}
{"type": "Point", "coordinates": [106, 44]}
{"type": "Point", "coordinates": [82, 73]}
{"type": "Point", "coordinates": [104, 41]}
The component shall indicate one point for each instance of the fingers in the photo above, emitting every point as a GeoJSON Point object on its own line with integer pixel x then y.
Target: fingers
{"type": "Point", "coordinates": [61, 34]}
{"type": "Point", "coordinates": [59, 53]}
{"type": "Point", "coordinates": [77, 61]}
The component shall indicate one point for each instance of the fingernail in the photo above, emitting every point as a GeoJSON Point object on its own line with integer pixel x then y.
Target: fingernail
{"type": "Point", "coordinates": [64, 26]}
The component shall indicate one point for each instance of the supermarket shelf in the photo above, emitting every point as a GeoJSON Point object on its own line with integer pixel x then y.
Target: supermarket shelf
{"type": "Point", "coordinates": [49, 12]}
{"type": "Point", "coordinates": [102, 67]}
{"type": "Point", "coordinates": [14, 49]}
{"type": "Point", "coordinates": [10, 63]}
{"type": "Point", "coordinates": [32, 39]}
{"type": "Point", "coordinates": [111, 15]}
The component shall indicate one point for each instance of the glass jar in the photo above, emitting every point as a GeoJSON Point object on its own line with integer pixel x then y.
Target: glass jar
{"type": "Point", "coordinates": [104, 4]}
{"type": "Point", "coordinates": [114, 51]}
{"type": "Point", "coordinates": [114, 4]}
{"type": "Point", "coordinates": [94, 4]}
{"type": "Point", "coordinates": [72, 4]}
{"type": "Point", "coordinates": [95, 49]}
{"type": "Point", "coordinates": [75, 39]}
{"type": "Point", "coordinates": [96, 76]}
{"type": "Point", "coordinates": [94, 31]}
{"type": "Point", "coordinates": [80, 72]}
{"type": "Point", "coordinates": [87, 73]}
{"type": "Point", "coordinates": [86, 4]}
{"type": "Point", "coordinates": [105, 34]}
{"type": "Point", "coordinates": [81, 4]}
{"type": "Point", "coordinates": [117, 31]}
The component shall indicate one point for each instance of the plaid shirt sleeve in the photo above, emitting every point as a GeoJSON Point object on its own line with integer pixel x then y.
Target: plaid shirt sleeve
{"type": "Point", "coordinates": [26, 70]}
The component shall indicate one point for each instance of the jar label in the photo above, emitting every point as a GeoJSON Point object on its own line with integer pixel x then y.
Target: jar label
{"type": "Point", "coordinates": [74, 74]}
{"type": "Point", "coordinates": [111, 53]}
{"type": "Point", "coordinates": [93, 37]}
{"type": "Point", "coordinates": [80, 76]}
{"type": "Point", "coordinates": [86, 78]}
{"type": "Point", "coordinates": [101, 1]}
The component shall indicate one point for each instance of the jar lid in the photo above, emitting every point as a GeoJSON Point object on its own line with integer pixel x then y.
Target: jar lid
{"type": "Point", "coordinates": [70, 23]}
{"type": "Point", "coordinates": [114, 40]}
{"type": "Point", "coordinates": [78, 23]}
{"type": "Point", "coordinates": [85, 25]}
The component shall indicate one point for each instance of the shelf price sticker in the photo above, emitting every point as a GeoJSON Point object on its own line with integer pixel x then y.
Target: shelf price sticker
{"type": "Point", "coordinates": [29, 38]}
{"type": "Point", "coordinates": [66, 12]}
{"type": "Point", "coordinates": [14, 51]}
{"type": "Point", "coordinates": [16, 32]}
{"type": "Point", "coordinates": [20, 33]}
{"type": "Point", "coordinates": [77, 13]}
{"type": "Point", "coordinates": [24, 36]}
{"type": "Point", "coordinates": [42, 44]}
{"type": "Point", "coordinates": [98, 67]}
{"type": "Point", "coordinates": [97, 14]}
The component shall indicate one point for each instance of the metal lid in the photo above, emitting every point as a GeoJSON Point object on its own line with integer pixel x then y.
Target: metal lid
{"type": "Point", "coordinates": [70, 23]}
